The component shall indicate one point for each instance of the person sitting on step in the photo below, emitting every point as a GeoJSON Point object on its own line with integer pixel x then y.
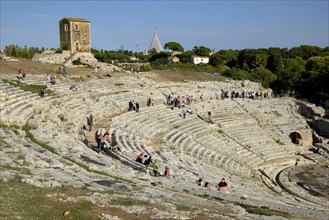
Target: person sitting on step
{"type": "Point", "coordinates": [148, 161]}
{"type": "Point", "coordinates": [139, 157]}
{"type": "Point", "coordinates": [222, 186]}
{"type": "Point", "coordinates": [19, 74]}
{"type": "Point", "coordinates": [144, 158]}
{"type": "Point", "coordinates": [199, 182]}
{"type": "Point", "coordinates": [114, 143]}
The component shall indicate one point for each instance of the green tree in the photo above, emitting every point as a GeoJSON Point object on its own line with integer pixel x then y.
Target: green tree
{"type": "Point", "coordinates": [314, 80]}
{"type": "Point", "coordinates": [186, 56]}
{"type": "Point", "coordinates": [229, 55]}
{"type": "Point", "coordinates": [202, 51]}
{"type": "Point", "coordinates": [275, 63]}
{"type": "Point", "coordinates": [246, 59]}
{"type": "Point", "coordinates": [152, 51]}
{"type": "Point", "coordinates": [260, 74]}
{"type": "Point", "coordinates": [289, 77]}
{"type": "Point", "coordinates": [25, 52]}
{"type": "Point", "coordinates": [159, 57]}
{"type": "Point", "coordinates": [260, 60]}
{"type": "Point", "coordinates": [215, 59]}
{"type": "Point", "coordinates": [237, 74]}
{"type": "Point", "coordinates": [304, 51]}
{"type": "Point", "coordinates": [174, 46]}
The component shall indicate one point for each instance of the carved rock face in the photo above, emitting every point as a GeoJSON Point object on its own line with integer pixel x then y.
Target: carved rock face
{"type": "Point", "coordinates": [302, 138]}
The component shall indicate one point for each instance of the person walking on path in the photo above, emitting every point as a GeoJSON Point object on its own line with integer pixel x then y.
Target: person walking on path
{"type": "Point", "coordinates": [90, 121]}
{"type": "Point", "coordinates": [65, 70]}
{"type": "Point", "coordinates": [42, 92]}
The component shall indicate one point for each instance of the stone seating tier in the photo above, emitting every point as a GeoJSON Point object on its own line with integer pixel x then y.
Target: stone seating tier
{"type": "Point", "coordinates": [189, 148]}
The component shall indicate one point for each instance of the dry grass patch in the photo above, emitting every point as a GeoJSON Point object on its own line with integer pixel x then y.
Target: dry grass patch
{"type": "Point", "coordinates": [181, 76]}
{"type": "Point", "coordinates": [22, 201]}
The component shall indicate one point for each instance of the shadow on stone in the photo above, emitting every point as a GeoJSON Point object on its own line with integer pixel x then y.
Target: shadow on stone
{"type": "Point", "coordinates": [87, 159]}
{"type": "Point", "coordinates": [105, 182]}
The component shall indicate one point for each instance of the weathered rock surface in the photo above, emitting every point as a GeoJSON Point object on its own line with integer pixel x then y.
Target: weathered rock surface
{"type": "Point", "coordinates": [66, 58]}
{"type": "Point", "coordinates": [310, 110]}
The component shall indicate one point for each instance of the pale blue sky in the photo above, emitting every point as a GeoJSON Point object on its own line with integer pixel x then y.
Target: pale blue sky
{"type": "Point", "coordinates": [214, 24]}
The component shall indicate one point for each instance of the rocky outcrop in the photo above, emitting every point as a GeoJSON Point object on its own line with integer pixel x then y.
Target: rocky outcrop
{"type": "Point", "coordinates": [321, 126]}
{"type": "Point", "coordinates": [66, 58]}
{"type": "Point", "coordinates": [5, 58]}
{"type": "Point", "coordinates": [49, 56]}
{"type": "Point", "coordinates": [309, 110]}
{"type": "Point", "coordinates": [322, 149]}
{"type": "Point", "coordinates": [318, 117]}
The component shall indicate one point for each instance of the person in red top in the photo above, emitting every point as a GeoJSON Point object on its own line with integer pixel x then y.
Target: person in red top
{"type": "Point", "coordinates": [23, 73]}
{"type": "Point", "coordinates": [19, 74]}
{"type": "Point", "coordinates": [139, 157]}
{"type": "Point", "coordinates": [166, 172]}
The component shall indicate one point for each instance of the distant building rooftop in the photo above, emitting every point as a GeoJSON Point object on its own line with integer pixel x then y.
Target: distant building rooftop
{"type": "Point", "coordinates": [76, 19]}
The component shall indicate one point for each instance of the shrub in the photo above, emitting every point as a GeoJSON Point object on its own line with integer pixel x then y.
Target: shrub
{"type": "Point", "coordinates": [237, 74]}
{"type": "Point", "coordinates": [20, 52]}
{"type": "Point", "coordinates": [62, 117]}
{"type": "Point", "coordinates": [185, 208]}
{"type": "Point", "coordinates": [326, 104]}
{"type": "Point", "coordinates": [146, 68]}
{"type": "Point", "coordinates": [222, 68]}
{"type": "Point", "coordinates": [76, 62]}
{"type": "Point", "coordinates": [59, 50]}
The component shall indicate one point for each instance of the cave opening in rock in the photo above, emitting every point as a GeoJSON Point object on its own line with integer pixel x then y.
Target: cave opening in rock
{"type": "Point", "coordinates": [295, 137]}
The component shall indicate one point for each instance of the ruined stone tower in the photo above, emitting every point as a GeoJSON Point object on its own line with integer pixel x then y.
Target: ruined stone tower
{"type": "Point", "coordinates": [74, 34]}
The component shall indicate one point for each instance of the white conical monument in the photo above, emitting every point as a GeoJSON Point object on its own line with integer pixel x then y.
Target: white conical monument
{"type": "Point", "coordinates": [156, 43]}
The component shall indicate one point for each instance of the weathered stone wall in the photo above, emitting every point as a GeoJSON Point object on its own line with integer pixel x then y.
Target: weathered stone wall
{"type": "Point", "coordinates": [75, 35]}
{"type": "Point", "coordinates": [80, 38]}
{"type": "Point", "coordinates": [64, 34]}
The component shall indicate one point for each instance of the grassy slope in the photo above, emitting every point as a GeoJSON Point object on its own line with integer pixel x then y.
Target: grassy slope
{"type": "Point", "coordinates": [32, 68]}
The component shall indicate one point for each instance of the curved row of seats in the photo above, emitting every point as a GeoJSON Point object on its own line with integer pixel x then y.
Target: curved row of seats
{"type": "Point", "coordinates": [192, 147]}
